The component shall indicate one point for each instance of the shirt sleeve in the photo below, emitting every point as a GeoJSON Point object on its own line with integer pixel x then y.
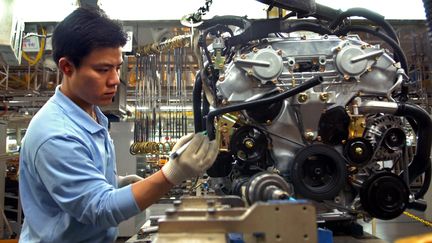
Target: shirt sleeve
{"type": "Point", "coordinates": [65, 166]}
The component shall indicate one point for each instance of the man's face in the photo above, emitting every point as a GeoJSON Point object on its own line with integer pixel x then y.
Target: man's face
{"type": "Point", "coordinates": [95, 81]}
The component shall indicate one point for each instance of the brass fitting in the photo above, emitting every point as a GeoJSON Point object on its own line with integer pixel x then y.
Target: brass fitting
{"type": "Point", "coordinates": [249, 143]}
{"type": "Point", "coordinates": [324, 96]}
{"type": "Point", "coordinates": [302, 97]}
{"type": "Point", "coordinates": [358, 151]}
{"type": "Point", "coordinates": [309, 136]}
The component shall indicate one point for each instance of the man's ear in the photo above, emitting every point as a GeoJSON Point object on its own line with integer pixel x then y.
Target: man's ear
{"type": "Point", "coordinates": [66, 66]}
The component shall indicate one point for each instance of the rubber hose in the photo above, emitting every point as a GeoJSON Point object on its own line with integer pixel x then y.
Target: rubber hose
{"type": "Point", "coordinates": [264, 101]}
{"type": "Point", "coordinates": [421, 158]}
{"type": "Point", "coordinates": [196, 104]}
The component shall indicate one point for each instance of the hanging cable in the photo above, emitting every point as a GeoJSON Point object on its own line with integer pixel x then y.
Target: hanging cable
{"type": "Point", "coordinates": [40, 53]}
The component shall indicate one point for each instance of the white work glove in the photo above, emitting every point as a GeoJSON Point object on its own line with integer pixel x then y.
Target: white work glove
{"type": "Point", "coordinates": [194, 161]}
{"type": "Point", "coordinates": [126, 180]}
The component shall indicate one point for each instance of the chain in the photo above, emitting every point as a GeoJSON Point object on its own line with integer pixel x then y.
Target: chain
{"type": "Point", "coordinates": [196, 17]}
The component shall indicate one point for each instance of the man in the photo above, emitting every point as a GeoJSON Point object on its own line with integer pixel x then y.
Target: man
{"type": "Point", "coordinates": [68, 182]}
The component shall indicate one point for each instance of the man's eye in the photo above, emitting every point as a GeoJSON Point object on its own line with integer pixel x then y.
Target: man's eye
{"type": "Point", "coordinates": [102, 70]}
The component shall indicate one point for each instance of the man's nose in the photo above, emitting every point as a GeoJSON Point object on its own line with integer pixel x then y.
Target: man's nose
{"type": "Point", "coordinates": [114, 78]}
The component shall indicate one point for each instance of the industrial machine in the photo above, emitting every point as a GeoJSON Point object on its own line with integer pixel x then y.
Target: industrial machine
{"type": "Point", "coordinates": [304, 108]}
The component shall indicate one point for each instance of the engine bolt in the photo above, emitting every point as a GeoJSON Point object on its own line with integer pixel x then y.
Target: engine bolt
{"type": "Point", "coordinates": [249, 72]}
{"type": "Point", "coordinates": [324, 96]}
{"type": "Point", "coordinates": [302, 97]}
{"type": "Point", "coordinates": [309, 135]}
{"type": "Point", "coordinates": [224, 102]}
{"type": "Point", "coordinates": [358, 151]}
{"type": "Point", "coordinates": [369, 69]}
{"type": "Point", "coordinates": [346, 77]}
{"type": "Point", "coordinates": [269, 122]}
{"type": "Point", "coordinates": [279, 52]}
{"type": "Point", "coordinates": [255, 49]}
{"type": "Point", "coordinates": [338, 48]}
{"type": "Point", "coordinates": [249, 143]}
{"type": "Point", "coordinates": [363, 47]}
{"type": "Point", "coordinates": [221, 78]}
{"type": "Point", "coordinates": [243, 56]}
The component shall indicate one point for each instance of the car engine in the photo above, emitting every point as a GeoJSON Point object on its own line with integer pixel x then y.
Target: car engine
{"type": "Point", "coordinates": [305, 109]}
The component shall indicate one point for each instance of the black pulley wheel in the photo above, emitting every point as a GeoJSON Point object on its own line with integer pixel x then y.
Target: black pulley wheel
{"type": "Point", "coordinates": [249, 144]}
{"type": "Point", "coordinates": [358, 151]}
{"type": "Point", "coordinates": [264, 113]}
{"type": "Point", "coordinates": [384, 195]}
{"type": "Point", "coordinates": [318, 172]}
{"type": "Point", "coordinates": [394, 139]}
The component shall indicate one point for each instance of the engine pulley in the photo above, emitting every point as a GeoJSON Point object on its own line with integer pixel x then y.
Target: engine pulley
{"type": "Point", "coordinates": [318, 172]}
{"type": "Point", "coordinates": [358, 151]}
{"type": "Point", "coordinates": [394, 139]}
{"type": "Point", "coordinates": [265, 113]}
{"type": "Point", "coordinates": [384, 195]}
{"type": "Point", "coordinates": [249, 144]}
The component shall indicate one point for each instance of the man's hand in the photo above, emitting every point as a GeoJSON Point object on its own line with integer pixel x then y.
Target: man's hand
{"type": "Point", "coordinates": [194, 161]}
{"type": "Point", "coordinates": [129, 179]}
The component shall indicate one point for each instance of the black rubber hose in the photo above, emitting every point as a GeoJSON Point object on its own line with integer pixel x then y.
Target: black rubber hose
{"type": "Point", "coordinates": [262, 28]}
{"type": "Point", "coordinates": [428, 9]}
{"type": "Point", "coordinates": [399, 54]}
{"type": "Point", "coordinates": [196, 104]}
{"type": "Point", "coordinates": [205, 110]}
{"type": "Point", "coordinates": [420, 162]}
{"type": "Point", "coordinates": [265, 101]}
{"type": "Point", "coordinates": [241, 22]}
{"type": "Point", "coordinates": [326, 13]}
{"type": "Point", "coordinates": [365, 13]}
{"type": "Point", "coordinates": [288, 26]}
{"type": "Point", "coordinates": [426, 182]}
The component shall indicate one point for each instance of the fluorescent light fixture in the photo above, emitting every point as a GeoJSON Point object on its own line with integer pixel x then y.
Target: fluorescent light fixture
{"type": "Point", "coordinates": [45, 10]}
{"type": "Point", "coordinates": [35, 11]}
{"type": "Point", "coordinates": [390, 9]}
{"type": "Point", "coordinates": [175, 10]}
{"type": "Point", "coordinates": [167, 108]}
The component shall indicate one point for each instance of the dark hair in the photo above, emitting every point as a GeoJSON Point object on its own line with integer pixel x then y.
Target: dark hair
{"type": "Point", "coordinates": [84, 30]}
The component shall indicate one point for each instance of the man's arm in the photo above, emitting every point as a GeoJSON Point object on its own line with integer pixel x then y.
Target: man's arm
{"type": "Point", "coordinates": [150, 190]}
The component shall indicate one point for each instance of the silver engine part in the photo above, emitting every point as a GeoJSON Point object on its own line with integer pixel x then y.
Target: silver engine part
{"type": "Point", "coordinates": [339, 143]}
{"type": "Point", "coordinates": [349, 67]}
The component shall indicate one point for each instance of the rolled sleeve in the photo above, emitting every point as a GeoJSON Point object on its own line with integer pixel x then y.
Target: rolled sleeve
{"type": "Point", "coordinates": [78, 186]}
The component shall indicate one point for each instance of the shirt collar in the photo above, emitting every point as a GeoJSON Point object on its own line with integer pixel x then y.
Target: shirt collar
{"type": "Point", "coordinates": [78, 115]}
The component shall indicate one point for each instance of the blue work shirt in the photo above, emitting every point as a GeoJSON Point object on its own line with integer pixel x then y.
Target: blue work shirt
{"type": "Point", "coordinates": [68, 178]}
